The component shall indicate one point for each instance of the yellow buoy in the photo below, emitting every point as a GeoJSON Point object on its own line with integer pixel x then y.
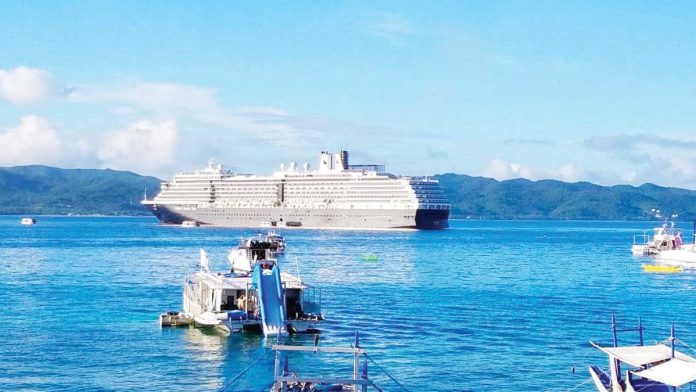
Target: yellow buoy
{"type": "Point", "coordinates": [661, 268]}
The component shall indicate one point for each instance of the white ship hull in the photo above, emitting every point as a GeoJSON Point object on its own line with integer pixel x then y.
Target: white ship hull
{"type": "Point", "coordinates": [306, 218]}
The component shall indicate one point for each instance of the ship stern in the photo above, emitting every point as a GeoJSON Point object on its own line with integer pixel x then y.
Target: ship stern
{"type": "Point", "coordinates": [432, 219]}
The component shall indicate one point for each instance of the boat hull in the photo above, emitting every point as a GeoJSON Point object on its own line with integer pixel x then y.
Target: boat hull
{"type": "Point", "coordinates": [308, 218]}
{"type": "Point", "coordinates": [680, 257]}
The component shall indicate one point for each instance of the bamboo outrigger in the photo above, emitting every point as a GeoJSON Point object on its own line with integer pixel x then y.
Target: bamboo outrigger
{"type": "Point", "coordinates": [289, 381]}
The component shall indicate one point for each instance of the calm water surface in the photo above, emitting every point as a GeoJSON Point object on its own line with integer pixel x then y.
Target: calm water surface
{"type": "Point", "coordinates": [482, 306]}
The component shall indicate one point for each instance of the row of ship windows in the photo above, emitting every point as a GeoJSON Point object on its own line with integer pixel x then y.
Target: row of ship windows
{"type": "Point", "coordinates": [302, 189]}
{"type": "Point", "coordinates": [291, 217]}
{"type": "Point", "coordinates": [319, 196]}
{"type": "Point", "coordinates": [291, 181]}
{"type": "Point", "coordinates": [286, 190]}
{"type": "Point", "coordinates": [347, 193]}
{"type": "Point", "coordinates": [296, 183]}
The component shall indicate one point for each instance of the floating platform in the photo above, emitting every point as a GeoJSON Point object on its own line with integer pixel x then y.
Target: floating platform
{"type": "Point", "coordinates": [175, 319]}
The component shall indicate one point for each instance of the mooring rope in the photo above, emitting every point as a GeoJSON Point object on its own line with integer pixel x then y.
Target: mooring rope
{"type": "Point", "coordinates": [579, 385]}
{"type": "Point", "coordinates": [242, 372]}
{"type": "Point", "coordinates": [386, 372]}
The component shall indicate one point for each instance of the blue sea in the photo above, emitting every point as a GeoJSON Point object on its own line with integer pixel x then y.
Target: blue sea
{"type": "Point", "coordinates": [482, 306]}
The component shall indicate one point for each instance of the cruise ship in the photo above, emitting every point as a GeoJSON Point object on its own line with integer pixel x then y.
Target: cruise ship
{"type": "Point", "coordinates": [335, 195]}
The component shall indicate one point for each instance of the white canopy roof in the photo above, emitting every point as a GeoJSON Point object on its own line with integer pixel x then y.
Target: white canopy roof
{"type": "Point", "coordinates": [674, 372]}
{"type": "Point", "coordinates": [643, 355]}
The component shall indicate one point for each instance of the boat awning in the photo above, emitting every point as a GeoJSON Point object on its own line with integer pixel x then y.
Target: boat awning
{"type": "Point", "coordinates": [674, 372]}
{"type": "Point", "coordinates": [643, 355]}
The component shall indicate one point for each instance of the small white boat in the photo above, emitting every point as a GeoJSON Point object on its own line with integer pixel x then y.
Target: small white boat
{"type": "Point", "coordinates": [665, 237]}
{"type": "Point", "coordinates": [650, 368]}
{"type": "Point", "coordinates": [207, 319]}
{"type": "Point", "coordinates": [189, 223]}
{"type": "Point", "coordinates": [28, 221]}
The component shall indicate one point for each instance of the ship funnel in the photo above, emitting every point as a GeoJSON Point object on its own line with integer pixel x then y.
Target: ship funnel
{"type": "Point", "coordinates": [344, 159]}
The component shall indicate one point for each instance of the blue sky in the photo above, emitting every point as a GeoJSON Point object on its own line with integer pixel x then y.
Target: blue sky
{"type": "Point", "coordinates": [593, 91]}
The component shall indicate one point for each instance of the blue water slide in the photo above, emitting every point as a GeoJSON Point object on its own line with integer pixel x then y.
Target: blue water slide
{"type": "Point", "coordinates": [271, 305]}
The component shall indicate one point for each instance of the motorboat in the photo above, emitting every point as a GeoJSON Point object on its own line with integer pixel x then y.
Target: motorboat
{"type": "Point", "coordinates": [189, 223]}
{"type": "Point", "coordinates": [650, 368]}
{"type": "Point", "coordinates": [264, 246]}
{"type": "Point", "coordinates": [253, 295]}
{"type": "Point", "coordinates": [664, 237]}
{"type": "Point", "coordinates": [28, 221]}
{"type": "Point", "coordinates": [276, 240]}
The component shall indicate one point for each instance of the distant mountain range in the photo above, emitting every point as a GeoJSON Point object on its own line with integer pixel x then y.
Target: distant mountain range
{"type": "Point", "coordinates": [49, 190]}
{"type": "Point", "coordinates": [32, 190]}
{"type": "Point", "coordinates": [486, 198]}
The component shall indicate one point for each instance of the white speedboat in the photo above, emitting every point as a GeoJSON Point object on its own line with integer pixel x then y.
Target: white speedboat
{"type": "Point", "coordinates": [650, 368]}
{"type": "Point", "coordinates": [28, 221]}
{"type": "Point", "coordinates": [276, 240]}
{"type": "Point", "coordinates": [254, 295]}
{"type": "Point", "coordinates": [665, 237]}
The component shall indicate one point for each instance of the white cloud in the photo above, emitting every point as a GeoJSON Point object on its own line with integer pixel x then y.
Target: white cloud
{"type": "Point", "coordinates": [143, 146]}
{"type": "Point", "coordinates": [34, 141]}
{"type": "Point", "coordinates": [23, 85]}
{"type": "Point", "coordinates": [568, 172]}
{"type": "Point", "coordinates": [501, 169]}
{"type": "Point", "coordinates": [658, 158]}
{"type": "Point", "coordinates": [169, 100]}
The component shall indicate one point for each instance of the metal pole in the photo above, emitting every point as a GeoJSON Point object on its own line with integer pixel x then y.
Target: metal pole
{"type": "Point", "coordinates": [276, 369]}
{"type": "Point", "coordinates": [355, 369]}
{"type": "Point", "coordinates": [617, 364]}
{"type": "Point", "coordinates": [640, 330]}
{"type": "Point", "coordinates": [672, 339]}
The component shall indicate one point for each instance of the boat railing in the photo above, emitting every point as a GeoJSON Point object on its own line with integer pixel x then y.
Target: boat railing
{"type": "Point", "coordinates": [311, 301]}
{"type": "Point", "coordinates": [192, 296]}
{"type": "Point", "coordinates": [642, 239]}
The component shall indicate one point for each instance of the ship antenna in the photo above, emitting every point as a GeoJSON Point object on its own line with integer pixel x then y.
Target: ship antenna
{"type": "Point", "coordinates": [145, 194]}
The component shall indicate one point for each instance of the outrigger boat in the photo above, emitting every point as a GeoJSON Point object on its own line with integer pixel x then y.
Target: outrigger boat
{"type": "Point", "coordinates": [652, 368]}
{"type": "Point", "coordinates": [286, 380]}
{"type": "Point", "coordinates": [254, 295]}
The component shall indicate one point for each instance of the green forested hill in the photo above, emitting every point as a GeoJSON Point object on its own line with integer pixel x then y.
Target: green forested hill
{"type": "Point", "coordinates": [478, 197]}
{"type": "Point", "coordinates": [49, 190]}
